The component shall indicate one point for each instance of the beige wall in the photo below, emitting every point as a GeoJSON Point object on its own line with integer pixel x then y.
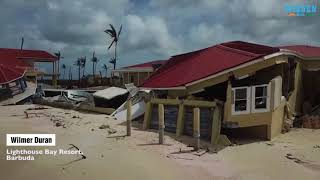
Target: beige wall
{"type": "Point", "coordinates": [138, 79]}
{"type": "Point", "coordinates": [275, 127]}
{"type": "Point", "coordinates": [273, 119]}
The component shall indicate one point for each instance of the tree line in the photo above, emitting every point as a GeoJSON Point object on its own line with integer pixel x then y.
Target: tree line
{"type": "Point", "coordinates": [81, 62]}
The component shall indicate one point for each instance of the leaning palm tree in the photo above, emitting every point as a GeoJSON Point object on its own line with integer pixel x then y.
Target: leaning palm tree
{"type": "Point", "coordinates": [64, 67]}
{"type": "Point", "coordinates": [115, 36]}
{"type": "Point", "coordinates": [94, 61]}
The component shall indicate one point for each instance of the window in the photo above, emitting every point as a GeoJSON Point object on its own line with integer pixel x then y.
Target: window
{"type": "Point", "coordinates": [241, 100]}
{"type": "Point", "coordinates": [254, 99]}
{"type": "Point", "coordinates": [260, 98]}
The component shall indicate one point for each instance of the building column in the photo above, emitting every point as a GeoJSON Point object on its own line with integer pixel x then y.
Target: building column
{"type": "Point", "coordinates": [54, 75]}
{"type": "Point", "coordinates": [227, 104]}
{"type": "Point", "coordinates": [128, 78]}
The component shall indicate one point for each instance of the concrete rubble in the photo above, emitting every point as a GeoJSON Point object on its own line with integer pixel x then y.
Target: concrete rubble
{"type": "Point", "coordinates": [312, 119]}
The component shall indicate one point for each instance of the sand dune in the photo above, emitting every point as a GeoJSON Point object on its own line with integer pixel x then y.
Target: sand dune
{"type": "Point", "coordinates": [111, 155]}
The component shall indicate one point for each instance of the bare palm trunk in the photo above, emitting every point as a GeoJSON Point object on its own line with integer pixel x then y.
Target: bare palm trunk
{"type": "Point", "coordinates": [64, 73]}
{"type": "Point", "coordinates": [101, 77]}
{"type": "Point", "coordinates": [115, 56]}
{"type": "Point", "coordinates": [93, 69]}
{"type": "Point", "coordinates": [79, 71]}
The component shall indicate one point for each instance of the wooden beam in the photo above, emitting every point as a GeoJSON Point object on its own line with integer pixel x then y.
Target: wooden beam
{"type": "Point", "coordinates": [147, 116]}
{"type": "Point", "coordinates": [180, 120]}
{"type": "Point", "coordinates": [129, 103]}
{"type": "Point", "coordinates": [195, 103]}
{"type": "Point", "coordinates": [216, 126]}
{"type": "Point", "coordinates": [165, 101]}
{"type": "Point", "coordinates": [161, 123]}
{"type": "Point", "coordinates": [196, 127]}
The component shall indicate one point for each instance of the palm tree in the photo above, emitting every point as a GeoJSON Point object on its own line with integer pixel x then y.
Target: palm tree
{"type": "Point", "coordinates": [22, 41]}
{"type": "Point", "coordinates": [64, 70]}
{"type": "Point", "coordinates": [113, 61]}
{"type": "Point", "coordinates": [58, 55]}
{"type": "Point", "coordinates": [83, 64]}
{"type": "Point", "coordinates": [70, 73]}
{"type": "Point", "coordinates": [79, 64]}
{"type": "Point", "coordinates": [94, 61]}
{"type": "Point", "coordinates": [115, 36]}
{"type": "Point", "coordinates": [105, 67]}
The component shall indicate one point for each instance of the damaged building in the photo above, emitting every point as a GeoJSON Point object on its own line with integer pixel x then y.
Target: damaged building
{"type": "Point", "coordinates": [237, 86]}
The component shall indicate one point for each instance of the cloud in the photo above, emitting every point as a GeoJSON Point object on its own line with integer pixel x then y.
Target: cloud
{"type": "Point", "coordinates": [152, 29]}
{"type": "Point", "coordinates": [208, 35]}
{"type": "Point", "coordinates": [149, 33]}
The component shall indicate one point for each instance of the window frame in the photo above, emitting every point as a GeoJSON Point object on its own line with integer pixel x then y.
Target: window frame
{"type": "Point", "coordinates": [253, 99]}
{"type": "Point", "coordinates": [248, 102]}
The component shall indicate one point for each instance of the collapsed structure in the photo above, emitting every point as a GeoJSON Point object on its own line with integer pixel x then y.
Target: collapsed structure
{"type": "Point", "coordinates": [18, 73]}
{"type": "Point", "coordinates": [236, 85]}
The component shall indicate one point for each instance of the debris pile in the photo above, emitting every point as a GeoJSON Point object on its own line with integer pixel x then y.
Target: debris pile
{"type": "Point", "coordinates": [109, 129]}
{"type": "Point", "coordinates": [58, 122]}
{"type": "Point", "coordinates": [312, 120]}
{"type": "Point", "coordinates": [111, 97]}
{"type": "Point", "coordinates": [138, 107]}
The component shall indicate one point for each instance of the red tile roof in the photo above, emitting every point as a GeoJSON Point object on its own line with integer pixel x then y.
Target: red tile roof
{"type": "Point", "coordinates": [12, 65]}
{"type": "Point", "coordinates": [27, 54]}
{"type": "Point", "coordinates": [8, 73]}
{"type": "Point", "coordinates": [304, 51]}
{"type": "Point", "coordinates": [189, 67]}
{"type": "Point", "coordinates": [147, 64]}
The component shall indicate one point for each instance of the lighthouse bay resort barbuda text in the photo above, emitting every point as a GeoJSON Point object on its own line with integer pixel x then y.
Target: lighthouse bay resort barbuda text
{"type": "Point", "coordinates": [24, 154]}
{"type": "Point", "coordinates": [30, 140]}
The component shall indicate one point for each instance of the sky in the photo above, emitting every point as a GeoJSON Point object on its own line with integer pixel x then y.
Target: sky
{"type": "Point", "coordinates": [152, 29]}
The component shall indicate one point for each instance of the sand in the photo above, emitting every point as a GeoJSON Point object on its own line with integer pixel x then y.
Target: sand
{"type": "Point", "coordinates": [294, 155]}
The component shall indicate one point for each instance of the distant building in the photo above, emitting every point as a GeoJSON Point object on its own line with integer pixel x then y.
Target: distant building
{"type": "Point", "coordinates": [138, 73]}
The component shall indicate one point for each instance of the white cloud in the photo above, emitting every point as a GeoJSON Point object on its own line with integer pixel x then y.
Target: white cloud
{"type": "Point", "coordinates": [151, 30]}
{"type": "Point", "coordinates": [208, 35]}
{"type": "Point", "coordinates": [150, 33]}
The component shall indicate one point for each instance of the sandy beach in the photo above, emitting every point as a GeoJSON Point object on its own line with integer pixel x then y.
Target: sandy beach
{"type": "Point", "coordinates": [111, 155]}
